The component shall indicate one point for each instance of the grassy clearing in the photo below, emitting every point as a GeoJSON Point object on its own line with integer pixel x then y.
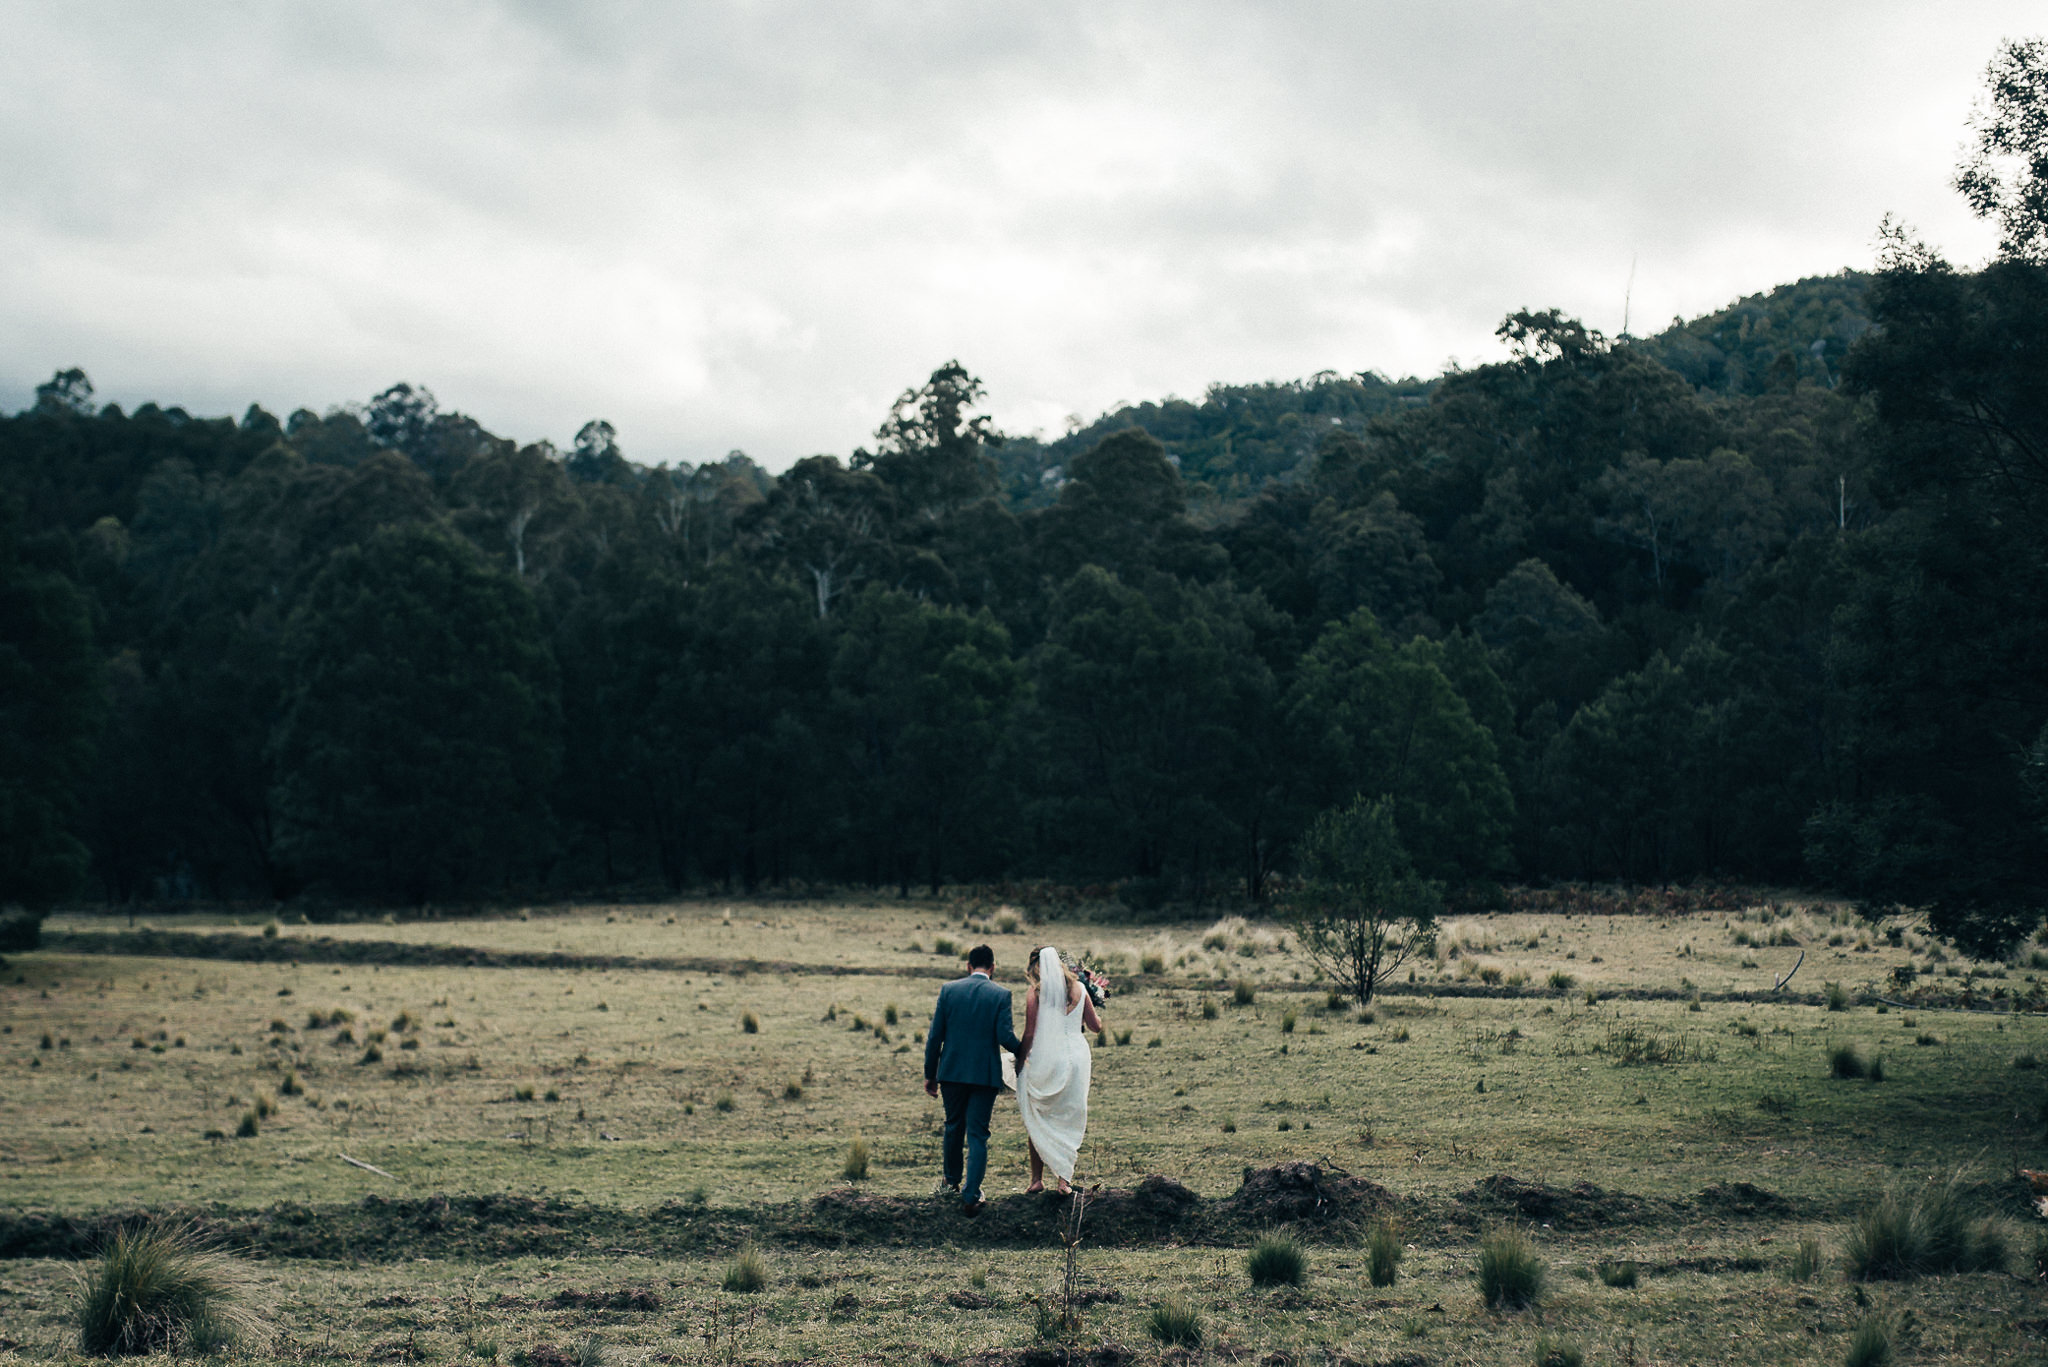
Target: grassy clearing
{"type": "Point", "coordinates": [623, 1090]}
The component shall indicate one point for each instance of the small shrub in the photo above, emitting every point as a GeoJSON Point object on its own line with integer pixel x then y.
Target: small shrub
{"type": "Point", "coordinates": [1242, 993]}
{"type": "Point", "coordinates": [552, 1095]}
{"type": "Point", "coordinates": [1561, 981]}
{"type": "Point", "coordinates": [291, 1086]}
{"type": "Point", "coordinates": [1287, 1021]}
{"type": "Point", "coordinates": [250, 1126]}
{"type": "Point", "coordinates": [1806, 1260]}
{"type": "Point", "coordinates": [750, 1023]}
{"type": "Point", "coordinates": [723, 1103]}
{"type": "Point", "coordinates": [1156, 1042]}
{"type": "Point", "coordinates": [1176, 1323]}
{"type": "Point", "coordinates": [158, 1290]}
{"type": "Point", "coordinates": [1400, 1036]}
{"type": "Point", "coordinates": [1209, 1011]}
{"type": "Point", "coordinates": [793, 1090]}
{"type": "Point", "coordinates": [2027, 1062]}
{"type": "Point", "coordinates": [1123, 1037]}
{"type": "Point", "coordinates": [1871, 1344]}
{"type": "Point", "coordinates": [265, 1108]}
{"type": "Point", "coordinates": [945, 947]}
{"type": "Point", "coordinates": [1552, 1352]}
{"type": "Point", "coordinates": [1383, 1253]}
{"type": "Point", "coordinates": [270, 929]}
{"type": "Point", "coordinates": [1490, 975]}
{"type": "Point", "coordinates": [1276, 1260]}
{"type": "Point", "coordinates": [1838, 1000]}
{"type": "Point", "coordinates": [1876, 1072]}
{"type": "Point", "coordinates": [1620, 1275]}
{"type": "Point", "coordinates": [1152, 964]}
{"type": "Point", "coordinates": [889, 1014]}
{"type": "Point", "coordinates": [1230, 1127]}
{"type": "Point", "coordinates": [1510, 1271]}
{"type": "Point", "coordinates": [1006, 923]}
{"type": "Point", "coordinates": [524, 1093]}
{"type": "Point", "coordinates": [370, 1055]}
{"type": "Point", "coordinates": [404, 1021]}
{"type": "Point", "coordinates": [856, 1168]}
{"type": "Point", "coordinates": [746, 1273]}
{"type": "Point", "coordinates": [1846, 1061]}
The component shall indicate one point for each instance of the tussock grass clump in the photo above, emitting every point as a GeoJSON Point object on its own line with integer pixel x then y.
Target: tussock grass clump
{"type": "Point", "coordinates": [1913, 1233]}
{"type": "Point", "coordinates": [1209, 1011]}
{"type": "Point", "coordinates": [1838, 1000]}
{"type": "Point", "coordinates": [750, 1024]}
{"type": "Point", "coordinates": [945, 947]}
{"type": "Point", "coordinates": [1846, 1061]}
{"type": "Point", "coordinates": [1176, 1323]}
{"type": "Point", "coordinates": [158, 1290]}
{"type": "Point", "coordinates": [522, 1093]}
{"type": "Point", "coordinates": [291, 1086]}
{"type": "Point", "coordinates": [747, 1272]}
{"type": "Point", "coordinates": [1287, 1021]}
{"type": "Point", "coordinates": [1383, 1253]}
{"type": "Point", "coordinates": [1806, 1260]}
{"type": "Point", "coordinates": [1243, 993]}
{"type": "Point", "coordinates": [370, 1055]}
{"type": "Point", "coordinates": [1510, 1270]}
{"type": "Point", "coordinates": [1276, 1260]}
{"type": "Point", "coordinates": [404, 1022]}
{"type": "Point", "coordinates": [1620, 1275]}
{"type": "Point", "coordinates": [890, 1015]}
{"type": "Point", "coordinates": [1871, 1344]}
{"type": "Point", "coordinates": [1561, 981]}
{"type": "Point", "coordinates": [1123, 1037]}
{"type": "Point", "coordinates": [1007, 923]}
{"type": "Point", "coordinates": [856, 1168]}
{"type": "Point", "coordinates": [724, 1102]}
{"type": "Point", "coordinates": [1555, 1352]}
{"type": "Point", "coordinates": [793, 1090]}
{"type": "Point", "coordinates": [1152, 964]}
{"type": "Point", "coordinates": [249, 1127]}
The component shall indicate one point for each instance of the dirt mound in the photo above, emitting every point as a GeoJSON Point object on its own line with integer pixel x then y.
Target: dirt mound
{"type": "Point", "coordinates": [638, 1298]}
{"type": "Point", "coordinates": [1741, 1198]}
{"type": "Point", "coordinates": [1295, 1192]}
{"type": "Point", "coordinates": [1580, 1206]}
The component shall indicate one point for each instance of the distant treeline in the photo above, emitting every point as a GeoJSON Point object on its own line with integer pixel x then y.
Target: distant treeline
{"type": "Point", "coordinates": [1765, 597]}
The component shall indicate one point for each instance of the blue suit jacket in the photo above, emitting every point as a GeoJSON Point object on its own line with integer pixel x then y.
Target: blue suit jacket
{"type": "Point", "coordinates": [972, 1021]}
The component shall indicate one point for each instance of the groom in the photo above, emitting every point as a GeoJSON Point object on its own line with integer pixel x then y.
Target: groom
{"type": "Point", "coordinates": [962, 1064]}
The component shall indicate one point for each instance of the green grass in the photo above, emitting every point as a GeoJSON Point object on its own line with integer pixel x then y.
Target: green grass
{"type": "Point", "coordinates": [747, 1273]}
{"type": "Point", "coordinates": [650, 1070]}
{"type": "Point", "coordinates": [1871, 1343]}
{"type": "Point", "coordinates": [1551, 1351]}
{"type": "Point", "coordinates": [1922, 1230]}
{"type": "Point", "coordinates": [1276, 1260]}
{"type": "Point", "coordinates": [1176, 1323]}
{"type": "Point", "coordinates": [1383, 1253]}
{"type": "Point", "coordinates": [1511, 1272]}
{"type": "Point", "coordinates": [159, 1290]}
{"type": "Point", "coordinates": [1806, 1260]}
{"type": "Point", "coordinates": [855, 1169]}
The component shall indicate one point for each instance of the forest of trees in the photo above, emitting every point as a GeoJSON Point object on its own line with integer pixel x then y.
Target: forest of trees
{"type": "Point", "coordinates": [1764, 597]}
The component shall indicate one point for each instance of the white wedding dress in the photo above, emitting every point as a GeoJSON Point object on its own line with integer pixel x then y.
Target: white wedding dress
{"type": "Point", "coordinates": [1052, 1086]}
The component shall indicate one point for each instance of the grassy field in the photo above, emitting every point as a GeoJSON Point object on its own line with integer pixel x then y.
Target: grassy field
{"type": "Point", "coordinates": [577, 1150]}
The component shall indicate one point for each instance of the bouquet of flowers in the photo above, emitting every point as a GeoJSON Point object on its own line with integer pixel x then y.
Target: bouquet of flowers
{"type": "Point", "coordinates": [1094, 982]}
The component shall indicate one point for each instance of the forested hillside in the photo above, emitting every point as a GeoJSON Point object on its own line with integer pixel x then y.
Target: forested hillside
{"type": "Point", "coordinates": [1761, 597]}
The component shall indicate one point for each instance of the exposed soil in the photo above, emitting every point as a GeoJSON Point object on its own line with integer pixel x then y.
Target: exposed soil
{"type": "Point", "coordinates": [1316, 1202]}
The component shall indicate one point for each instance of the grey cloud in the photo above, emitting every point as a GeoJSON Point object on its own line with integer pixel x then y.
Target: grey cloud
{"type": "Point", "coordinates": [752, 224]}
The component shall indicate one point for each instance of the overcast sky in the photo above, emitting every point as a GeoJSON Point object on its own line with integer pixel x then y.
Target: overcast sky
{"type": "Point", "coordinates": [750, 225]}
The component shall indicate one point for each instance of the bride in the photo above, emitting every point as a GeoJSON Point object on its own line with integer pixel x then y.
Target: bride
{"type": "Point", "coordinates": [1054, 1067]}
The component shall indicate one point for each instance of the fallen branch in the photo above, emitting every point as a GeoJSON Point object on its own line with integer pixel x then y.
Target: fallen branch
{"type": "Point", "coordinates": [366, 1167]}
{"type": "Point", "coordinates": [1788, 977]}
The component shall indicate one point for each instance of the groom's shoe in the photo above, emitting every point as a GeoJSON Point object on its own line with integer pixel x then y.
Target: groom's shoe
{"type": "Point", "coordinates": [973, 1208]}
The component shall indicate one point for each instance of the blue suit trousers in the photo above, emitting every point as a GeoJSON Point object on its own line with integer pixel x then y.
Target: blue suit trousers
{"type": "Point", "coordinates": [968, 1109]}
